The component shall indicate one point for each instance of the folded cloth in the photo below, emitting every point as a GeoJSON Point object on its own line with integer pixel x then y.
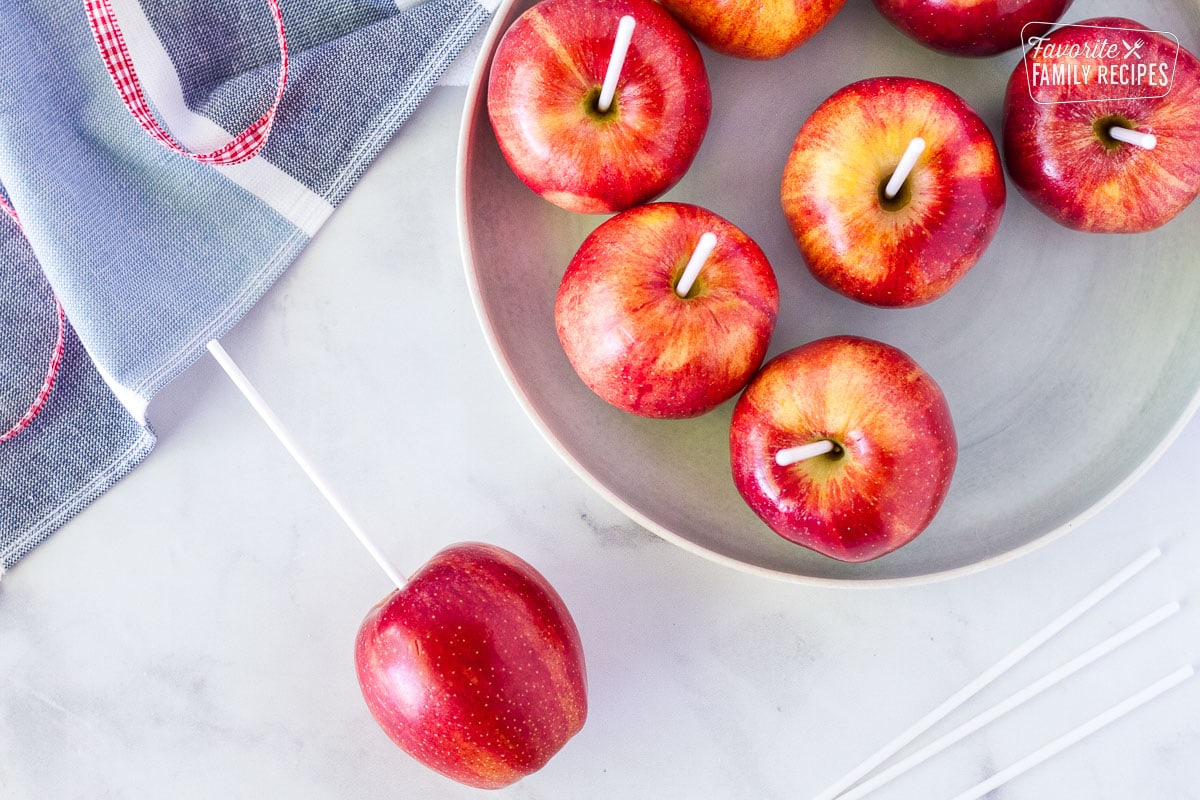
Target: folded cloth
{"type": "Point", "coordinates": [81, 441]}
{"type": "Point", "coordinates": [152, 254]}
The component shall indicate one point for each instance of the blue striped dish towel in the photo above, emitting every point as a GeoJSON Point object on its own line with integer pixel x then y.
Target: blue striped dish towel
{"type": "Point", "coordinates": [152, 254]}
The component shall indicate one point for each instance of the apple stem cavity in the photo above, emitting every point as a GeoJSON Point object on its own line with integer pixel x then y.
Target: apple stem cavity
{"type": "Point", "coordinates": [696, 263]}
{"type": "Point", "coordinates": [616, 61]}
{"type": "Point", "coordinates": [292, 446]}
{"type": "Point", "coordinates": [794, 455]}
{"type": "Point", "coordinates": [904, 168]}
{"type": "Point", "coordinates": [1146, 141]}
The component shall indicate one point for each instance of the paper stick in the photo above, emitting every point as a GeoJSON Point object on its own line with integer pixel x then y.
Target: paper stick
{"type": "Point", "coordinates": [792, 455]}
{"type": "Point", "coordinates": [905, 167]}
{"type": "Point", "coordinates": [1071, 737]}
{"type": "Point", "coordinates": [289, 443]}
{"type": "Point", "coordinates": [700, 255]}
{"type": "Point", "coordinates": [989, 675]}
{"type": "Point", "coordinates": [1015, 700]}
{"type": "Point", "coordinates": [616, 61]}
{"type": "Point", "coordinates": [1146, 141]}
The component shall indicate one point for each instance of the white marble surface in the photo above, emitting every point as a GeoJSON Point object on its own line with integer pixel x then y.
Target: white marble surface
{"type": "Point", "coordinates": [190, 635]}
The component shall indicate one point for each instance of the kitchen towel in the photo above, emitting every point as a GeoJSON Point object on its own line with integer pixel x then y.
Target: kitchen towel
{"type": "Point", "coordinates": [151, 253]}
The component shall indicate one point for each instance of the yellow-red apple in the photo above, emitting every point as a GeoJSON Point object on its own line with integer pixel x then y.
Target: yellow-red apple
{"type": "Point", "coordinates": [543, 102]}
{"type": "Point", "coordinates": [969, 27]}
{"type": "Point", "coordinates": [889, 447]}
{"type": "Point", "coordinates": [911, 248]}
{"type": "Point", "coordinates": [1059, 144]}
{"type": "Point", "coordinates": [757, 29]}
{"type": "Point", "coordinates": [641, 346]}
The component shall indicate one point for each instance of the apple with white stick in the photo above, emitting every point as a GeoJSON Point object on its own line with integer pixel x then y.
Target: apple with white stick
{"type": "Point", "coordinates": [969, 27]}
{"type": "Point", "coordinates": [598, 105]}
{"type": "Point", "coordinates": [1090, 160]}
{"type": "Point", "coordinates": [893, 190]}
{"type": "Point", "coordinates": [845, 446]}
{"type": "Point", "coordinates": [473, 666]}
{"type": "Point", "coordinates": [754, 29]}
{"type": "Point", "coordinates": [666, 310]}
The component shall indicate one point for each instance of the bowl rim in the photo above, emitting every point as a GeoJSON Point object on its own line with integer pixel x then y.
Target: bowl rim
{"type": "Point", "coordinates": [475, 91]}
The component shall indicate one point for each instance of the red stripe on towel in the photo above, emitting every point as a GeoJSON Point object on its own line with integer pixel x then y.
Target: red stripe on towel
{"type": "Point", "coordinates": [115, 54]}
{"type": "Point", "coordinates": [43, 395]}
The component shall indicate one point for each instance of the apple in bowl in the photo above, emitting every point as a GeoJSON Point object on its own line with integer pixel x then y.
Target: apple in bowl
{"type": "Point", "coordinates": [642, 340]}
{"type": "Point", "coordinates": [754, 29]}
{"type": "Point", "coordinates": [844, 445]}
{"type": "Point", "coordinates": [474, 667]}
{"type": "Point", "coordinates": [544, 98]}
{"type": "Point", "coordinates": [1092, 159]}
{"type": "Point", "coordinates": [875, 239]}
{"type": "Point", "coordinates": [969, 27]}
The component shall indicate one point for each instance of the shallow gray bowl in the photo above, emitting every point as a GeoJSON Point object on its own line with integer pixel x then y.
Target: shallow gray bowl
{"type": "Point", "coordinates": [1070, 360]}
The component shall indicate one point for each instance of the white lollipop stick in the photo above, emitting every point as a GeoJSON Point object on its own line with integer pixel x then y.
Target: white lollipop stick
{"type": "Point", "coordinates": [1071, 737]}
{"type": "Point", "coordinates": [792, 455]}
{"type": "Point", "coordinates": [995, 712]}
{"type": "Point", "coordinates": [1146, 141]}
{"type": "Point", "coordinates": [285, 438]}
{"type": "Point", "coordinates": [616, 61]}
{"type": "Point", "coordinates": [905, 167]}
{"type": "Point", "coordinates": [699, 257]}
{"type": "Point", "coordinates": [992, 673]}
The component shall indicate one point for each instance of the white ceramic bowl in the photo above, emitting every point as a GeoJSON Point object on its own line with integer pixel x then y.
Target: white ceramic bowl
{"type": "Point", "coordinates": [1070, 360]}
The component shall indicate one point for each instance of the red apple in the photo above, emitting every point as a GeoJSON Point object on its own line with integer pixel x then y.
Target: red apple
{"type": "Point", "coordinates": [758, 29]}
{"type": "Point", "coordinates": [543, 93]}
{"type": "Point", "coordinates": [909, 249]}
{"type": "Point", "coordinates": [890, 439]}
{"type": "Point", "coordinates": [638, 344]}
{"type": "Point", "coordinates": [1058, 144]}
{"type": "Point", "coordinates": [969, 27]}
{"type": "Point", "coordinates": [474, 667]}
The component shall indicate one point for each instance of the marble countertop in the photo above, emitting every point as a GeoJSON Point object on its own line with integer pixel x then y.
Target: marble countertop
{"type": "Point", "coordinates": [190, 635]}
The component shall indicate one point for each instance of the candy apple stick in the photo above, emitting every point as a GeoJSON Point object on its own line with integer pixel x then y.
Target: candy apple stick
{"type": "Point", "coordinates": [1076, 734]}
{"type": "Point", "coordinates": [696, 263]}
{"type": "Point", "coordinates": [616, 61]}
{"type": "Point", "coordinates": [995, 712]}
{"type": "Point", "coordinates": [792, 455]}
{"type": "Point", "coordinates": [1146, 141]}
{"type": "Point", "coordinates": [989, 675]}
{"type": "Point", "coordinates": [289, 443]}
{"type": "Point", "coordinates": [905, 167]}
